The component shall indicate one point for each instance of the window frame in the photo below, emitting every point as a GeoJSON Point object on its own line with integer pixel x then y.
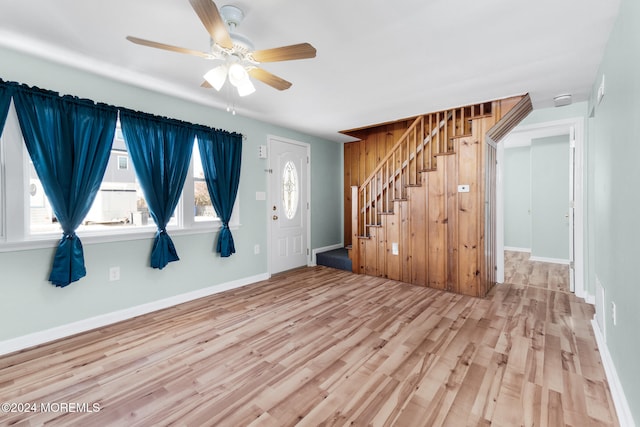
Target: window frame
{"type": "Point", "coordinates": [15, 231]}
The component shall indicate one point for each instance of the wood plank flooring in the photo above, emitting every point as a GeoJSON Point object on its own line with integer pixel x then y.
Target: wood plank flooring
{"type": "Point", "coordinates": [323, 347]}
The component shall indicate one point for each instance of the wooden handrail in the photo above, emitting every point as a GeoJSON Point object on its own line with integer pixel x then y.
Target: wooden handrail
{"type": "Point", "coordinates": [391, 152]}
{"type": "Point", "coordinates": [428, 139]}
{"type": "Point", "coordinates": [413, 153]}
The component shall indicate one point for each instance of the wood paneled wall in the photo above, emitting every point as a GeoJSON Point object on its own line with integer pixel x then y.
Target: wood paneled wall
{"type": "Point", "coordinates": [362, 157]}
{"type": "Point", "coordinates": [440, 233]}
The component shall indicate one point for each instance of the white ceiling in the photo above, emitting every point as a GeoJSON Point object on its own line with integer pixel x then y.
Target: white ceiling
{"type": "Point", "coordinates": [377, 60]}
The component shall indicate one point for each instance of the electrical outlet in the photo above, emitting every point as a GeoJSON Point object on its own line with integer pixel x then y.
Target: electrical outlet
{"type": "Point", "coordinates": [614, 315]}
{"type": "Point", "coordinates": [256, 249]}
{"type": "Point", "coordinates": [114, 274]}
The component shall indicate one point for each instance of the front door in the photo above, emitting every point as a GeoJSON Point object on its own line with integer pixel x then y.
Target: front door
{"type": "Point", "coordinates": [289, 204]}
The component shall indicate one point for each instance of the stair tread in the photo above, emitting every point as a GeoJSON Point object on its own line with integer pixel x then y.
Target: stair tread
{"type": "Point", "coordinates": [386, 213]}
{"type": "Point", "coordinates": [479, 116]}
{"type": "Point", "coordinates": [464, 135]}
{"type": "Point", "coordinates": [446, 153]}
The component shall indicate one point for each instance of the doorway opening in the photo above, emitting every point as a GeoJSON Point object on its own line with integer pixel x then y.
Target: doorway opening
{"type": "Point", "coordinates": [570, 213]}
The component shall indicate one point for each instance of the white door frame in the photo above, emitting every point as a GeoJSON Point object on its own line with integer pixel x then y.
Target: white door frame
{"type": "Point", "coordinates": [520, 136]}
{"type": "Point", "coordinates": [268, 214]}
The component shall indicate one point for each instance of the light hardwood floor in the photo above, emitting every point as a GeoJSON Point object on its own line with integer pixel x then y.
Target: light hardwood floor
{"type": "Point", "coordinates": [319, 346]}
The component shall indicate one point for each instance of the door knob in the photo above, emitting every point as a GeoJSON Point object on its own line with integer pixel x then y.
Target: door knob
{"type": "Point", "coordinates": [275, 217]}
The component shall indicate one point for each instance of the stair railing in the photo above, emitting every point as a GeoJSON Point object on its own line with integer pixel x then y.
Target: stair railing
{"type": "Point", "coordinates": [414, 152]}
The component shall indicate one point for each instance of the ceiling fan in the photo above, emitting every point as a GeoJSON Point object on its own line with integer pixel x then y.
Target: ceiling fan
{"type": "Point", "coordinates": [236, 51]}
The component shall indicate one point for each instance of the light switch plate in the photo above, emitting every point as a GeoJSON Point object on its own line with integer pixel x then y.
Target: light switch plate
{"type": "Point", "coordinates": [600, 90]}
{"type": "Point", "coordinates": [394, 248]}
{"type": "Point", "coordinates": [464, 188]}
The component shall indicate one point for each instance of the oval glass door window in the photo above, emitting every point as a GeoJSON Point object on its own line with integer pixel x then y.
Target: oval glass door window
{"type": "Point", "coordinates": [290, 190]}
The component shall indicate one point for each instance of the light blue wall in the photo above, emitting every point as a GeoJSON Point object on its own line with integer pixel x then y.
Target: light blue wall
{"type": "Point", "coordinates": [517, 197]}
{"type": "Point", "coordinates": [550, 197]}
{"type": "Point", "coordinates": [536, 196]}
{"type": "Point", "coordinates": [614, 142]}
{"type": "Point", "coordinates": [29, 304]}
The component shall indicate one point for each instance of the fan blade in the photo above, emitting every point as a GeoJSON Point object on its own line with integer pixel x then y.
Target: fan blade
{"type": "Point", "coordinates": [205, 84]}
{"type": "Point", "coordinates": [268, 78]}
{"type": "Point", "coordinates": [208, 13]}
{"type": "Point", "coordinates": [157, 45]}
{"type": "Point", "coordinates": [285, 53]}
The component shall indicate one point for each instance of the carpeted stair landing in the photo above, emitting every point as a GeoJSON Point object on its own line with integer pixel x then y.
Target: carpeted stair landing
{"type": "Point", "coordinates": [337, 258]}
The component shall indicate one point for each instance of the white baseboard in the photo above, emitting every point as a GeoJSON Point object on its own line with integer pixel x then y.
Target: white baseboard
{"type": "Point", "coordinates": [550, 260]}
{"type": "Point", "coordinates": [41, 337]}
{"type": "Point", "coordinates": [316, 251]}
{"type": "Point", "coordinates": [617, 393]}
{"type": "Point", "coordinates": [514, 249]}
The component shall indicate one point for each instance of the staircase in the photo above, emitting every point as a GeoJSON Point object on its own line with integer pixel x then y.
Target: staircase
{"type": "Point", "coordinates": [421, 215]}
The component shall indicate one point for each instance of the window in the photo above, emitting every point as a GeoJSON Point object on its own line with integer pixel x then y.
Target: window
{"type": "Point", "coordinates": [119, 202]}
{"type": "Point", "coordinates": [123, 162]}
{"type": "Point", "coordinates": [119, 208]}
{"type": "Point", "coordinates": [202, 206]}
{"type": "Point", "coordinates": [290, 190]}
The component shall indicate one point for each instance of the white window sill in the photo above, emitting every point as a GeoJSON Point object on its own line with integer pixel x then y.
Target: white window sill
{"type": "Point", "coordinates": [50, 240]}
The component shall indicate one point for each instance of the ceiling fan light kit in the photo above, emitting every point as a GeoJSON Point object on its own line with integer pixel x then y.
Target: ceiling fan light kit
{"type": "Point", "coordinates": [235, 50]}
{"type": "Point", "coordinates": [217, 76]}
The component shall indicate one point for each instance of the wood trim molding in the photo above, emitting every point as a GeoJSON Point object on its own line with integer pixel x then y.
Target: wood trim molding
{"type": "Point", "coordinates": [511, 119]}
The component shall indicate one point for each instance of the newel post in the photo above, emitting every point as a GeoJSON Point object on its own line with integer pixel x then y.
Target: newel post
{"type": "Point", "coordinates": [355, 242]}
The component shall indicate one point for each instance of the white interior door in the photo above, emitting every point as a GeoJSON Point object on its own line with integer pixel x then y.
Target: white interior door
{"type": "Point", "coordinates": [289, 204]}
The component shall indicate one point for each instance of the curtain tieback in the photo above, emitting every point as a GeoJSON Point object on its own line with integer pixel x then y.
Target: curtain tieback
{"type": "Point", "coordinates": [69, 236]}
